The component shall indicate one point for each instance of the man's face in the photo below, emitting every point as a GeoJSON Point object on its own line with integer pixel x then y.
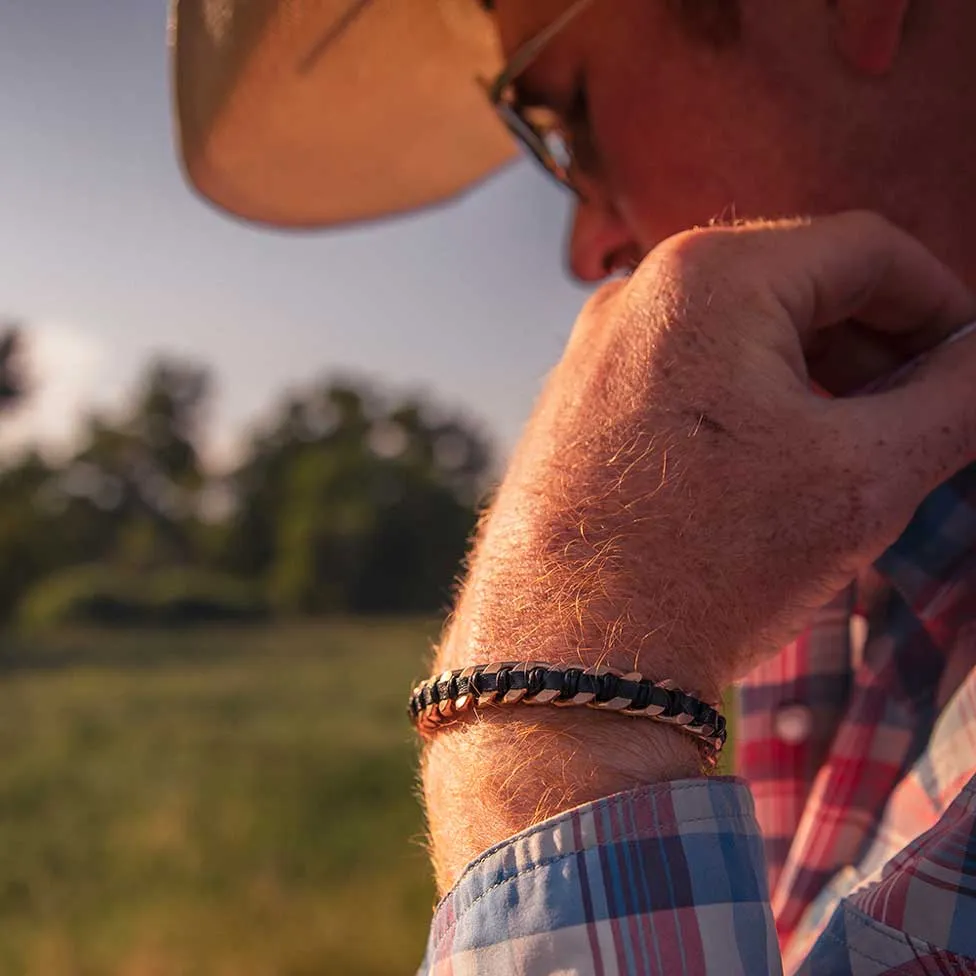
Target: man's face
{"type": "Point", "coordinates": [795, 107]}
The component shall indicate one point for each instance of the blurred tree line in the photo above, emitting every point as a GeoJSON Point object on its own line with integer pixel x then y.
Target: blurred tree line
{"type": "Point", "coordinates": [345, 501]}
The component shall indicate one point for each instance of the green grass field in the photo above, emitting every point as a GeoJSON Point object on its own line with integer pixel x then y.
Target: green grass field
{"type": "Point", "coordinates": [221, 803]}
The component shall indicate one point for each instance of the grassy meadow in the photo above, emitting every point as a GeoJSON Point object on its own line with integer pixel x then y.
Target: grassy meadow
{"type": "Point", "coordinates": [211, 803]}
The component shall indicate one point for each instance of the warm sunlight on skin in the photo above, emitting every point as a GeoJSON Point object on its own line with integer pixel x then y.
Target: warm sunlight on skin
{"type": "Point", "coordinates": [787, 109]}
{"type": "Point", "coordinates": [803, 110]}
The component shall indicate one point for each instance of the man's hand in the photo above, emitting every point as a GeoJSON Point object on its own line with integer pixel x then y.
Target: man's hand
{"type": "Point", "coordinates": [682, 500]}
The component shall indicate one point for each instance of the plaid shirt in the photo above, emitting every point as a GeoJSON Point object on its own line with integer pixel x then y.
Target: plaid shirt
{"type": "Point", "coordinates": [848, 847]}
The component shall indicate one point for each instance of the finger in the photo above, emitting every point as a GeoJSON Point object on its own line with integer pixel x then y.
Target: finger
{"type": "Point", "coordinates": [859, 266]}
{"type": "Point", "coordinates": [846, 359]}
{"type": "Point", "coordinates": [924, 430]}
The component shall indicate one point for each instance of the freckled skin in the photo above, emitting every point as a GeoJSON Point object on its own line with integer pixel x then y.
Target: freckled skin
{"type": "Point", "coordinates": [681, 499]}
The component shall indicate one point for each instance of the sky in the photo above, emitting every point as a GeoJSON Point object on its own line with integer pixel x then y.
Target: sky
{"type": "Point", "coordinates": [108, 257]}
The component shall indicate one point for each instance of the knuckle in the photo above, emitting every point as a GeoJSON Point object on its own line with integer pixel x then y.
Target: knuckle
{"type": "Point", "coordinates": [693, 250]}
{"type": "Point", "coordinates": [603, 297]}
{"type": "Point", "coordinates": [706, 263]}
{"type": "Point", "coordinates": [681, 271]}
{"type": "Point", "coordinates": [866, 222]}
{"type": "Point", "coordinates": [692, 277]}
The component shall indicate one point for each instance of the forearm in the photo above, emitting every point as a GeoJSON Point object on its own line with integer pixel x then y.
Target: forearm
{"type": "Point", "coordinates": [540, 589]}
{"type": "Point", "coordinates": [681, 502]}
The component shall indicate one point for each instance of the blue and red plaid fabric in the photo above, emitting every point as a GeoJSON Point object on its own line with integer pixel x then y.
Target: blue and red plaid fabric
{"type": "Point", "coordinates": [848, 850]}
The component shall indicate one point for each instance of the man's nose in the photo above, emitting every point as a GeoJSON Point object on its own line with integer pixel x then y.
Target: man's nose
{"type": "Point", "coordinates": [600, 242]}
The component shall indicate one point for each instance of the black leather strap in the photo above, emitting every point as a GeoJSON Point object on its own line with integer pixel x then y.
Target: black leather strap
{"type": "Point", "coordinates": [441, 698]}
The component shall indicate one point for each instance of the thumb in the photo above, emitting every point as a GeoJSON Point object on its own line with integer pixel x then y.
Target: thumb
{"type": "Point", "coordinates": [923, 430]}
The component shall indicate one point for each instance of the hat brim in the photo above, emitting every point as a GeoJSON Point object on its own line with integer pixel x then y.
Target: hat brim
{"type": "Point", "coordinates": [312, 113]}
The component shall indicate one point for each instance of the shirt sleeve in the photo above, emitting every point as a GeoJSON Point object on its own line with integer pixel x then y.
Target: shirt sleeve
{"type": "Point", "coordinates": [666, 879]}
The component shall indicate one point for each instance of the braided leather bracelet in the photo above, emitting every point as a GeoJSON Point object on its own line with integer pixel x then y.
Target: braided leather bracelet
{"type": "Point", "coordinates": [441, 698]}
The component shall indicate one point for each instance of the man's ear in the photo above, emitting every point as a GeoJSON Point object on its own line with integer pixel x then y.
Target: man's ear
{"type": "Point", "coordinates": [868, 33]}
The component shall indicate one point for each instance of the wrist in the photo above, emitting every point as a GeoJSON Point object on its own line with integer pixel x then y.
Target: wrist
{"type": "Point", "coordinates": [497, 773]}
{"type": "Point", "coordinates": [514, 621]}
{"type": "Point", "coordinates": [498, 770]}
{"type": "Point", "coordinates": [571, 588]}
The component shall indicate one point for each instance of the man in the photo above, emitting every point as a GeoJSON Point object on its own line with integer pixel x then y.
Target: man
{"type": "Point", "coordinates": [729, 459]}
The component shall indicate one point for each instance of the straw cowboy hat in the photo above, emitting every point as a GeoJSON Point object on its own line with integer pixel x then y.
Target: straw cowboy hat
{"type": "Point", "coordinates": [306, 113]}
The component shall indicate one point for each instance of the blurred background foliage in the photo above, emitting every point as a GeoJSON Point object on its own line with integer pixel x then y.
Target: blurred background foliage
{"type": "Point", "coordinates": [207, 765]}
{"type": "Point", "coordinates": [208, 769]}
{"type": "Point", "coordinates": [213, 801]}
{"type": "Point", "coordinates": [345, 500]}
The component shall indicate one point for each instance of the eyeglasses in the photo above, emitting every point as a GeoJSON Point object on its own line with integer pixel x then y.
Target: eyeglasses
{"type": "Point", "coordinates": [540, 130]}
